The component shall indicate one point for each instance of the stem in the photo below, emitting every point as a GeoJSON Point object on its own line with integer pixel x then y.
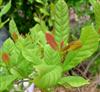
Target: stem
{"type": "Point", "coordinates": [90, 63]}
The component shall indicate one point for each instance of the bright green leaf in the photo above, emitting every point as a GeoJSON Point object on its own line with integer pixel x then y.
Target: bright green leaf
{"type": "Point", "coordinates": [61, 22]}
{"type": "Point", "coordinates": [8, 45]}
{"type": "Point", "coordinates": [5, 9]}
{"type": "Point", "coordinates": [13, 27]}
{"type": "Point", "coordinates": [48, 75]}
{"type": "Point", "coordinates": [89, 39]}
{"type": "Point", "coordinates": [32, 56]}
{"type": "Point", "coordinates": [73, 81]}
{"type": "Point", "coordinates": [51, 56]}
{"type": "Point", "coordinates": [6, 81]}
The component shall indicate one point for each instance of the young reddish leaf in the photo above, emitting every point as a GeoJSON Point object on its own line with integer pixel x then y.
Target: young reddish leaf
{"type": "Point", "coordinates": [51, 41]}
{"type": "Point", "coordinates": [73, 45]}
{"type": "Point", "coordinates": [5, 57]}
{"type": "Point", "coordinates": [14, 36]}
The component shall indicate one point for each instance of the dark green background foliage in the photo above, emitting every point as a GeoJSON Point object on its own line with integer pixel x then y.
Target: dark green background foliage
{"type": "Point", "coordinates": [27, 12]}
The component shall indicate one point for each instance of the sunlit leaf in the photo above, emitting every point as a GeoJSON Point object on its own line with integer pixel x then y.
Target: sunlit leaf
{"type": "Point", "coordinates": [90, 40]}
{"type": "Point", "coordinates": [73, 81]}
{"type": "Point", "coordinates": [5, 9]}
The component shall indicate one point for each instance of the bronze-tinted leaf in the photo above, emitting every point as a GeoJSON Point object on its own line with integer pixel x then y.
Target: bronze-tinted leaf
{"type": "Point", "coordinates": [51, 41]}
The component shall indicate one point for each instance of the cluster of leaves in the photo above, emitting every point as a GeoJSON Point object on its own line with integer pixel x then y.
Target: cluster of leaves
{"type": "Point", "coordinates": [4, 10]}
{"type": "Point", "coordinates": [45, 56]}
{"type": "Point", "coordinates": [28, 13]}
{"type": "Point", "coordinates": [96, 5]}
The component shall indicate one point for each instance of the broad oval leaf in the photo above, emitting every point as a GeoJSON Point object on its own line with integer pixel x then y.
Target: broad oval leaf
{"type": "Point", "coordinates": [73, 81]}
{"type": "Point", "coordinates": [89, 39]}
{"type": "Point", "coordinates": [48, 75]}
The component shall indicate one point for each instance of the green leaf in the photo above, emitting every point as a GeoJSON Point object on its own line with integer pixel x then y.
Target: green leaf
{"type": "Point", "coordinates": [61, 22]}
{"type": "Point", "coordinates": [37, 34]}
{"type": "Point", "coordinates": [44, 11]}
{"type": "Point", "coordinates": [40, 1]}
{"type": "Point", "coordinates": [89, 39]}
{"type": "Point", "coordinates": [22, 43]}
{"type": "Point", "coordinates": [13, 27]}
{"type": "Point", "coordinates": [5, 9]}
{"type": "Point", "coordinates": [51, 56]}
{"type": "Point", "coordinates": [31, 1]}
{"type": "Point", "coordinates": [8, 45]}
{"type": "Point", "coordinates": [23, 66]}
{"type": "Point", "coordinates": [96, 8]}
{"type": "Point", "coordinates": [41, 37]}
{"type": "Point", "coordinates": [1, 2]}
{"type": "Point", "coordinates": [32, 56]}
{"type": "Point", "coordinates": [3, 23]}
{"type": "Point", "coordinates": [95, 67]}
{"type": "Point", "coordinates": [14, 56]}
{"type": "Point", "coordinates": [43, 26]}
{"type": "Point", "coordinates": [6, 81]}
{"type": "Point", "coordinates": [48, 75]}
{"type": "Point", "coordinates": [34, 30]}
{"type": "Point", "coordinates": [73, 81]}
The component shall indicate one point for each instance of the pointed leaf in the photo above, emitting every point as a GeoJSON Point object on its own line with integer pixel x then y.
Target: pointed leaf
{"type": "Point", "coordinates": [61, 22]}
{"type": "Point", "coordinates": [5, 9]}
{"type": "Point", "coordinates": [13, 29]}
{"type": "Point", "coordinates": [51, 41]}
{"type": "Point", "coordinates": [73, 81]}
{"type": "Point", "coordinates": [89, 39]}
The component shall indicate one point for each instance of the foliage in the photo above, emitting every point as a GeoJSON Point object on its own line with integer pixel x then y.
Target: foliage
{"type": "Point", "coordinates": [3, 11]}
{"type": "Point", "coordinates": [27, 13]}
{"type": "Point", "coordinates": [95, 66]}
{"type": "Point", "coordinates": [45, 56]}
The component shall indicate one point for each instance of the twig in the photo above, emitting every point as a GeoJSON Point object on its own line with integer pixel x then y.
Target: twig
{"type": "Point", "coordinates": [81, 73]}
{"type": "Point", "coordinates": [91, 62]}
